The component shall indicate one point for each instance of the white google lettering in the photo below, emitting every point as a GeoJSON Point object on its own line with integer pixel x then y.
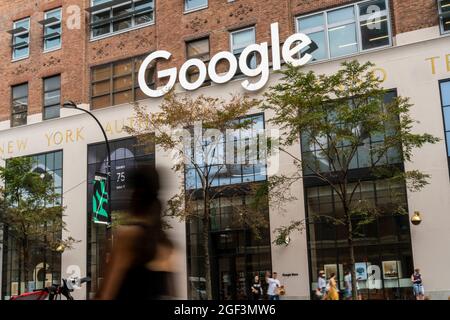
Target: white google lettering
{"type": "Point", "coordinates": [232, 62]}
{"type": "Point", "coordinates": [292, 46]}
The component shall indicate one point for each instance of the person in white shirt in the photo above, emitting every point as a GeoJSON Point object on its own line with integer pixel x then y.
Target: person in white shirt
{"type": "Point", "coordinates": [348, 294]}
{"type": "Point", "coordinates": [273, 283]}
{"type": "Point", "coordinates": [322, 285]}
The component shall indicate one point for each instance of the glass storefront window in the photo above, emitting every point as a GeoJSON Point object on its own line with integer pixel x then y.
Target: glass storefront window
{"type": "Point", "coordinates": [237, 253]}
{"type": "Point", "coordinates": [45, 263]}
{"type": "Point", "coordinates": [382, 248]}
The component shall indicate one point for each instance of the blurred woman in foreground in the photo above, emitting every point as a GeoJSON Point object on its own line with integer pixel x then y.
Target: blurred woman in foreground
{"type": "Point", "coordinates": [140, 267]}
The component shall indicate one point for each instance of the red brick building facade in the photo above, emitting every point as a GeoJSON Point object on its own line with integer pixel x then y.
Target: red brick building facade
{"type": "Point", "coordinates": [171, 29]}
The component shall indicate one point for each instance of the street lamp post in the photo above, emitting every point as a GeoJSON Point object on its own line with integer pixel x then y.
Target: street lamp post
{"type": "Point", "coordinates": [72, 105]}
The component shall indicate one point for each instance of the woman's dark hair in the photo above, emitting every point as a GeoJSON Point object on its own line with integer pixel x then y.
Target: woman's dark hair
{"type": "Point", "coordinates": [332, 275]}
{"type": "Point", "coordinates": [143, 183]}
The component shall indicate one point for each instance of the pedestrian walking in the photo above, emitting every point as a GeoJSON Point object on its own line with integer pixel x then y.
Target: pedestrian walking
{"type": "Point", "coordinates": [321, 290]}
{"type": "Point", "coordinates": [256, 288]}
{"type": "Point", "coordinates": [274, 284]}
{"type": "Point", "coordinates": [140, 266]}
{"type": "Point", "coordinates": [348, 292]}
{"type": "Point", "coordinates": [333, 292]}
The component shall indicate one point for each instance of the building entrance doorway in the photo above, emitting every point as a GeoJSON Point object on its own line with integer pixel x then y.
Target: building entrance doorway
{"type": "Point", "coordinates": [232, 278]}
{"type": "Point", "coordinates": [237, 259]}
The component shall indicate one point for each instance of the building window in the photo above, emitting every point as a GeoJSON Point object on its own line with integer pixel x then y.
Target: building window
{"type": "Point", "coordinates": [237, 254]}
{"type": "Point", "coordinates": [348, 30]}
{"type": "Point", "coordinates": [245, 169]}
{"type": "Point", "coordinates": [190, 5]}
{"type": "Point", "coordinates": [241, 39]}
{"type": "Point", "coordinates": [445, 98]}
{"type": "Point", "coordinates": [52, 29]}
{"type": "Point", "coordinates": [45, 261]}
{"type": "Point", "coordinates": [51, 164]}
{"type": "Point", "coordinates": [52, 97]}
{"type": "Point", "coordinates": [19, 105]}
{"type": "Point", "coordinates": [117, 83]}
{"type": "Point", "coordinates": [444, 15]}
{"type": "Point", "coordinates": [382, 247]}
{"type": "Point", "coordinates": [21, 39]}
{"type": "Point", "coordinates": [114, 16]}
{"type": "Point", "coordinates": [197, 49]}
{"type": "Point", "coordinates": [314, 160]}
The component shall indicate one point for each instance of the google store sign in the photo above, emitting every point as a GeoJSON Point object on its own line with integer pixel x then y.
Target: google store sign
{"type": "Point", "coordinates": [291, 47]}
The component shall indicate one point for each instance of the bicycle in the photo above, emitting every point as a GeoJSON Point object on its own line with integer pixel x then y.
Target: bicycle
{"type": "Point", "coordinates": [54, 291]}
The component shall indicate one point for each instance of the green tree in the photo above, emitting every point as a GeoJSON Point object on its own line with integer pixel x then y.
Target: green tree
{"type": "Point", "coordinates": [172, 130]}
{"type": "Point", "coordinates": [339, 114]}
{"type": "Point", "coordinates": [31, 211]}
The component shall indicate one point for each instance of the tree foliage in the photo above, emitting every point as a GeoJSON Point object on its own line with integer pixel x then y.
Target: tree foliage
{"type": "Point", "coordinates": [31, 210]}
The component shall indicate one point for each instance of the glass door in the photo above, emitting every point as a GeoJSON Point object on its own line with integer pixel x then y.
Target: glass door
{"type": "Point", "coordinates": [232, 278]}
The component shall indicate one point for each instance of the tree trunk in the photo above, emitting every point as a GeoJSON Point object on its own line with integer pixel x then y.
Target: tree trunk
{"type": "Point", "coordinates": [206, 229]}
{"type": "Point", "coordinates": [19, 289]}
{"type": "Point", "coordinates": [352, 254]}
{"type": "Point", "coordinates": [26, 263]}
